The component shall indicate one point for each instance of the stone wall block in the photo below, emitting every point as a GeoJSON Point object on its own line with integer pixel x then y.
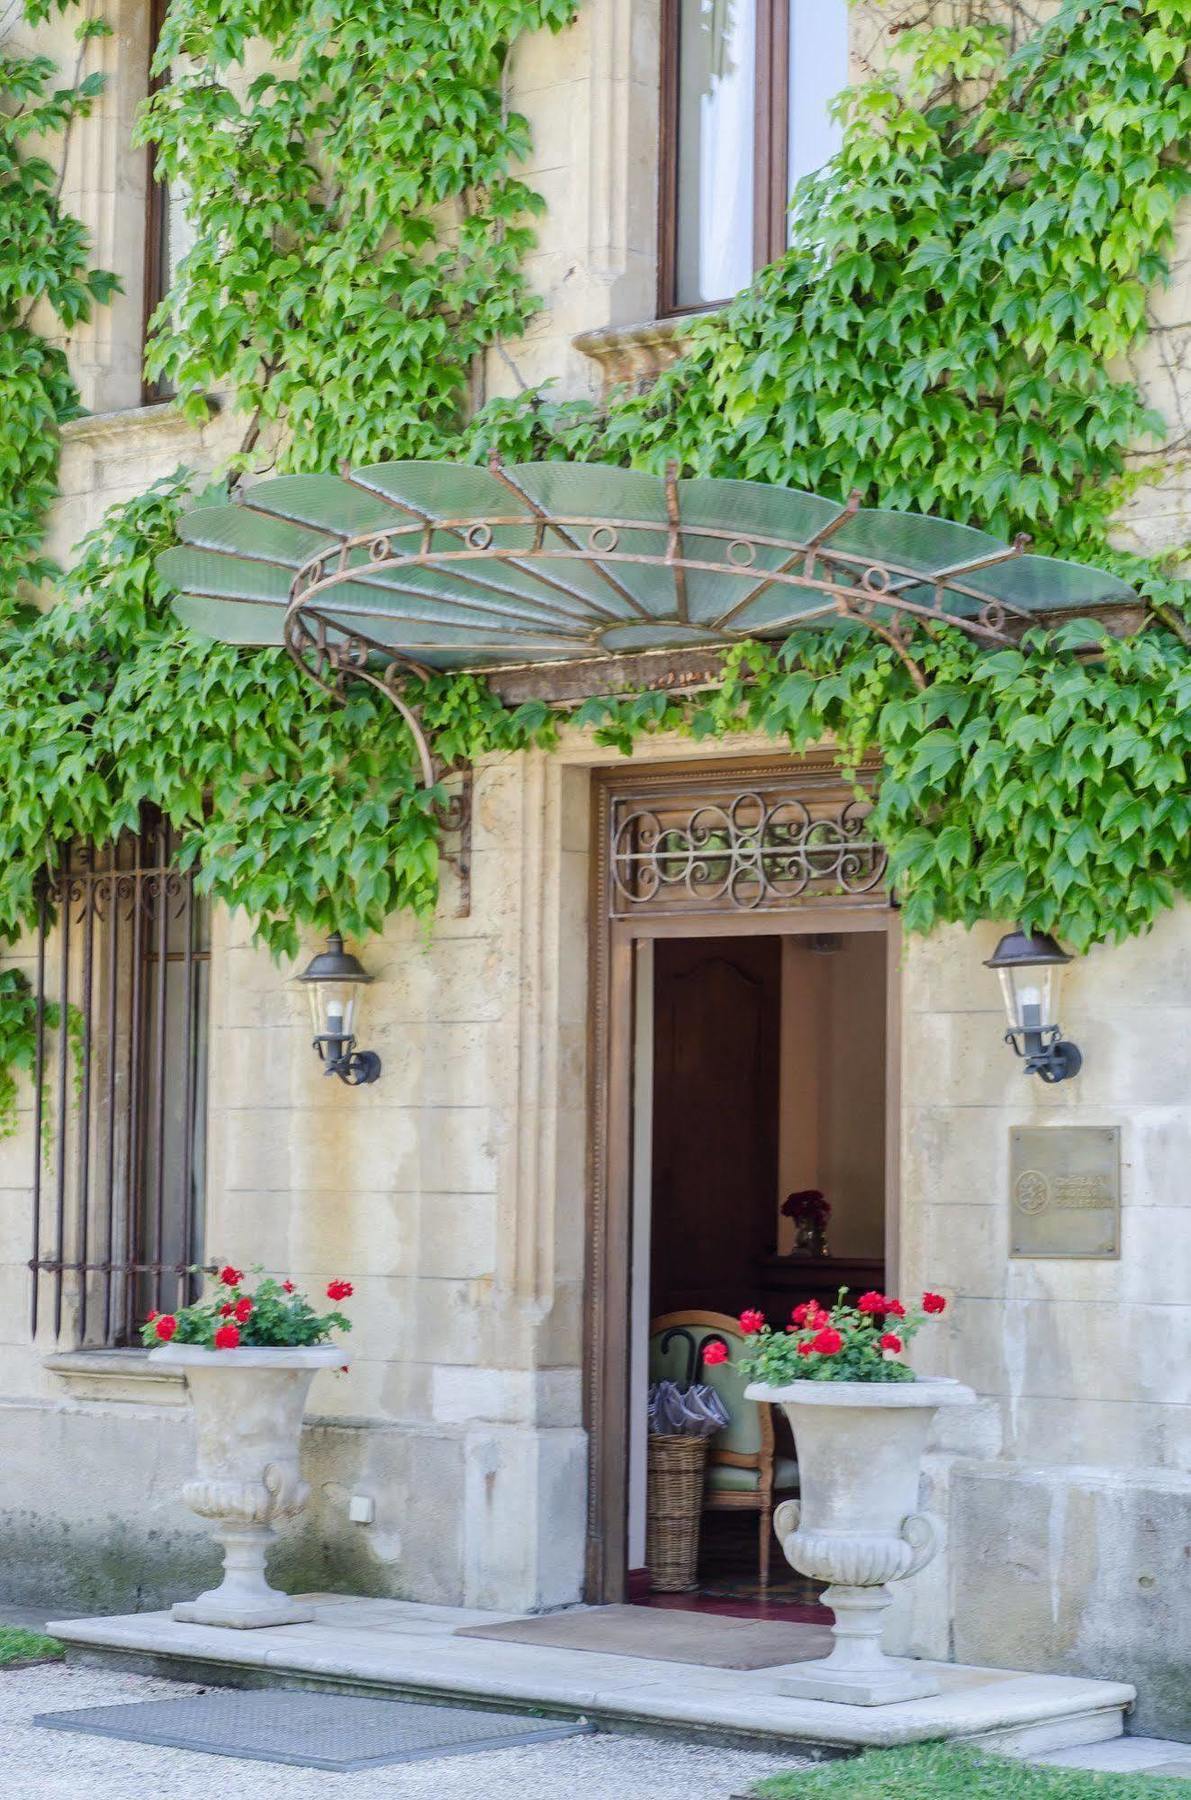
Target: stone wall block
{"type": "Point", "coordinates": [1096, 1582]}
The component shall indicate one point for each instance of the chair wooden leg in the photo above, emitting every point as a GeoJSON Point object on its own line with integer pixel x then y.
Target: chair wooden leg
{"type": "Point", "coordinates": [766, 1539]}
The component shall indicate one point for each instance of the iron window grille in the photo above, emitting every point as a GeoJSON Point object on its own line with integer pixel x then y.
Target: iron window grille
{"type": "Point", "coordinates": [120, 1088]}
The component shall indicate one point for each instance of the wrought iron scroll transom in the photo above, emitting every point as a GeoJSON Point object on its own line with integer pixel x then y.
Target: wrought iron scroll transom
{"type": "Point", "coordinates": [756, 848]}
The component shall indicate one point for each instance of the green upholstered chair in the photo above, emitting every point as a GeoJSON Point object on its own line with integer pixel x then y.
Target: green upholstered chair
{"type": "Point", "coordinates": [743, 1472]}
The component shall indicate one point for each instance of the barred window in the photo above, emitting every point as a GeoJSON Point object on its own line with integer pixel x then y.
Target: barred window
{"type": "Point", "coordinates": [120, 1089]}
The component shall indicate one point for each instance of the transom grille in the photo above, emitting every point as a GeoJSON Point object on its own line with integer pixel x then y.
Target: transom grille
{"type": "Point", "coordinates": [740, 845]}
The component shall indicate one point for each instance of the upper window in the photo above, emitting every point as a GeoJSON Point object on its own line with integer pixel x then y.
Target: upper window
{"type": "Point", "coordinates": [166, 232]}
{"type": "Point", "coordinates": [746, 89]}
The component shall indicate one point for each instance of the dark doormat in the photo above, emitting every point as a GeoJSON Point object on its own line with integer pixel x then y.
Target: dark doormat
{"type": "Point", "coordinates": [712, 1639]}
{"type": "Point", "coordinates": [315, 1731]}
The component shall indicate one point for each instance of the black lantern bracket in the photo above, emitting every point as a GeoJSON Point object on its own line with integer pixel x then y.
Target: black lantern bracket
{"type": "Point", "coordinates": [1027, 963]}
{"type": "Point", "coordinates": [329, 973]}
{"type": "Point", "coordinates": [1046, 1053]}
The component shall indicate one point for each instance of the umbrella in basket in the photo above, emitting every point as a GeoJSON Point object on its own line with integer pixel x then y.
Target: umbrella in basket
{"type": "Point", "coordinates": [681, 1419]}
{"type": "Point", "coordinates": [694, 1410]}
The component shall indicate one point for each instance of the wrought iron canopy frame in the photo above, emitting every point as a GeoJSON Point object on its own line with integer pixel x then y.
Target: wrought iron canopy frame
{"type": "Point", "coordinates": [853, 586]}
{"type": "Point", "coordinates": [386, 574]}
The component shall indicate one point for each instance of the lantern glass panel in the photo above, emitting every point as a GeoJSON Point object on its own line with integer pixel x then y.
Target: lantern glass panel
{"type": "Point", "coordinates": [335, 1007]}
{"type": "Point", "coordinates": [1031, 995]}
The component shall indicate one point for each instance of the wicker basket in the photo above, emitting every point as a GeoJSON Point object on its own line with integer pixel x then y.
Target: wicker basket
{"type": "Point", "coordinates": [673, 1511]}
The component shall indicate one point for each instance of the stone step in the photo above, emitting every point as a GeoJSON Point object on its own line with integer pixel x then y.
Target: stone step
{"type": "Point", "coordinates": [407, 1650]}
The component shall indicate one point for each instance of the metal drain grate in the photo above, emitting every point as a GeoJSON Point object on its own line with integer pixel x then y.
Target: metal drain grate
{"type": "Point", "coordinates": [316, 1731]}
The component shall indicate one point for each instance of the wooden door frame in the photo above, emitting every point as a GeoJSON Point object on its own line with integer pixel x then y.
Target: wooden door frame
{"type": "Point", "coordinates": [607, 1341]}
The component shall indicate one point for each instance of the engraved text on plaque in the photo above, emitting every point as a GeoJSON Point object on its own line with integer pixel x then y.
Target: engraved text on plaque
{"type": "Point", "coordinates": [1065, 1190]}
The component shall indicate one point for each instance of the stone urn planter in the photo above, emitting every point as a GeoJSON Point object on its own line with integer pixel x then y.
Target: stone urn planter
{"type": "Point", "coordinates": [857, 1522]}
{"type": "Point", "coordinates": [248, 1404]}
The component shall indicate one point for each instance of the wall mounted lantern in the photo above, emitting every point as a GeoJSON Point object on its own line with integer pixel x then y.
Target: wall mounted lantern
{"type": "Point", "coordinates": [334, 982]}
{"type": "Point", "coordinates": [1030, 965]}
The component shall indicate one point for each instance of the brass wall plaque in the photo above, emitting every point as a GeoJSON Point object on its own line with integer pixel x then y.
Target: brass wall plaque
{"type": "Point", "coordinates": [1065, 1190]}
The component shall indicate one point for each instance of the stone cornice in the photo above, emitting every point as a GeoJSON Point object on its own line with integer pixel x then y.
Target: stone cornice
{"type": "Point", "coordinates": [158, 420]}
{"type": "Point", "coordinates": [636, 353]}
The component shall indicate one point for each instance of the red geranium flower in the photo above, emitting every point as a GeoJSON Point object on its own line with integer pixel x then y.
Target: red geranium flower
{"type": "Point", "coordinates": [872, 1302]}
{"type": "Point", "coordinates": [933, 1303]}
{"type": "Point", "coordinates": [226, 1310]}
{"type": "Point", "coordinates": [165, 1327]}
{"type": "Point", "coordinates": [288, 1286]}
{"type": "Point", "coordinates": [891, 1341]}
{"type": "Point", "coordinates": [153, 1315]}
{"type": "Point", "coordinates": [716, 1351]}
{"type": "Point", "coordinates": [231, 1277]}
{"type": "Point", "coordinates": [807, 1313]}
{"type": "Point", "coordinates": [243, 1308]}
{"type": "Point", "coordinates": [827, 1341]}
{"type": "Point", "coordinates": [751, 1321]}
{"type": "Point", "coordinates": [339, 1290]}
{"type": "Point", "coordinates": [894, 1308]}
{"type": "Point", "coordinates": [227, 1337]}
{"type": "Point", "coordinates": [804, 1349]}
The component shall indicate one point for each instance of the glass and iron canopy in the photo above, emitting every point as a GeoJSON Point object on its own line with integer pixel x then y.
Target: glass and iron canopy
{"type": "Point", "coordinates": [381, 573]}
{"type": "Point", "coordinates": [450, 566]}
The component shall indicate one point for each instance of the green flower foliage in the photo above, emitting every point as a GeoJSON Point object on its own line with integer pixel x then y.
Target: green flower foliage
{"type": "Point", "coordinates": [302, 812]}
{"type": "Point", "coordinates": [949, 332]}
{"type": "Point", "coordinates": [18, 1046]}
{"type": "Point", "coordinates": [273, 1316]}
{"type": "Point", "coordinates": [359, 237]}
{"type": "Point", "coordinates": [44, 275]}
{"type": "Point", "coordinates": [1041, 784]}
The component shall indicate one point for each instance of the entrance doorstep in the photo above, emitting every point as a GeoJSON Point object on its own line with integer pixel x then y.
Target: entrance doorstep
{"type": "Point", "coordinates": [400, 1649]}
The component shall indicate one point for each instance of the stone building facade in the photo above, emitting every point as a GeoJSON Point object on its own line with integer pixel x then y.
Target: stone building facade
{"type": "Point", "coordinates": [453, 1193]}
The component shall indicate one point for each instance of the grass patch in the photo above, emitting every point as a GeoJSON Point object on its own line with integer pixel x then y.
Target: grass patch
{"type": "Point", "coordinates": [939, 1772]}
{"type": "Point", "coordinates": [19, 1646]}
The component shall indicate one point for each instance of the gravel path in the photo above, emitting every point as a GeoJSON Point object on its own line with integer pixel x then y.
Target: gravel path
{"type": "Point", "coordinates": [57, 1765]}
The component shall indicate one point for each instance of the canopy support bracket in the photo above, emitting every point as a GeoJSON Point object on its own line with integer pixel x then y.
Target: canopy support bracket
{"type": "Point", "coordinates": [330, 665]}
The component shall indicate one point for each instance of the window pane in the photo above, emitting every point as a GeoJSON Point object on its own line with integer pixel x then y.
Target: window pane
{"type": "Point", "coordinates": [716, 88]}
{"type": "Point", "coordinates": [818, 71]}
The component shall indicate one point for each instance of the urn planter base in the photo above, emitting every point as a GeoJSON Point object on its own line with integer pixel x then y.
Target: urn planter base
{"type": "Point", "coordinates": [244, 1600]}
{"type": "Point", "coordinates": [858, 1672]}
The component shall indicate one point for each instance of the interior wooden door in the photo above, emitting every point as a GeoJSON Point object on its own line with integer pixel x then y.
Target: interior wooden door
{"type": "Point", "coordinates": [717, 1011]}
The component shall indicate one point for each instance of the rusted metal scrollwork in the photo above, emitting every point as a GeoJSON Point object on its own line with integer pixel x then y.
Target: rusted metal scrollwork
{"type": "Point", "coordinates": [744, 852]}
{"type": "Point", "coordinates": [331, 662]}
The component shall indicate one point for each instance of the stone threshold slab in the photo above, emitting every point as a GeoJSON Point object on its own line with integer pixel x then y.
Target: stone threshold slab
{"type": "Point", "coordinates": [410, 1650]}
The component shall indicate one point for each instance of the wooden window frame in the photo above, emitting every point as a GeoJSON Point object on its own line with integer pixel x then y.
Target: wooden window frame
{"type": "Point", "coordinates": [770, 148]}
{"type": "Point", "coordinates": [156, 219]}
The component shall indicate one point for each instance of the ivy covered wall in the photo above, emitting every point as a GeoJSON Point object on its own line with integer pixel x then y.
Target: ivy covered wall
{"type": "Point", "coordinates": [950, 332]}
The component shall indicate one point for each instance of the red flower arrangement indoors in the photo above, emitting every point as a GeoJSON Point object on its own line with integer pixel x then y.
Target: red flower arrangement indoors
{"type": "Point", "coordinates": [274, 1316]}
{"type": "Point", "coordinates": [809, 1206]}
{"type": "Point", "coordinates": [840, 1343]}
